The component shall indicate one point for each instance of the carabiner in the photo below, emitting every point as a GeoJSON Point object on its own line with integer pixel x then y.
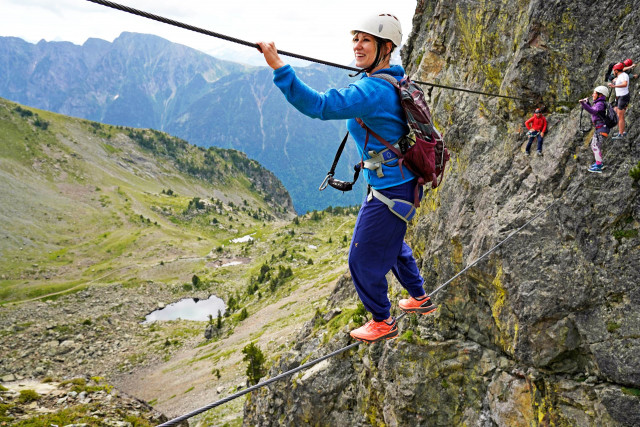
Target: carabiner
{"type": "Point", "coordinates": [325, 182]}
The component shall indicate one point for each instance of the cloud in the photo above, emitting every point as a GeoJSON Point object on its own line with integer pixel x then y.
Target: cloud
{"type": "Point", "coordinates": [316, 29]}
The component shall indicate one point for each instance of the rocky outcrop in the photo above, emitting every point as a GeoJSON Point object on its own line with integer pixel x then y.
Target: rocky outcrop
{"type": "Point", "coordinates": [91, 401]}
{"type": "Point", "coordinates": [94, 332]}
{"type": "Point", "coordinates": [545, 330]}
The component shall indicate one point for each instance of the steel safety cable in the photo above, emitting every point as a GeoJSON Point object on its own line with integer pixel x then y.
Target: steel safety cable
{"type": "Point", "coordinates": [184, 417]}
{"type": "Point", "coordinates": [254, 45]}
{"type": "Point", "coordinates": [209, 33]}
{"type": "Point", "coordinates": [513, 233]}
{"type": "Point", "coordinates": [461, 89]}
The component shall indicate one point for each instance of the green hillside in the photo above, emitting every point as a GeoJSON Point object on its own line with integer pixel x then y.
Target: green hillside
{"type": "Point", "coordinates": [81, 201]}
{"type": "Point", "coordinates": [144, 81]}
{"type": "Point", "coordinates": [100, 225]}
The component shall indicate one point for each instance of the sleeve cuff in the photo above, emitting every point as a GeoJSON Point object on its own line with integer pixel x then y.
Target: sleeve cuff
{"type": "Point", "coordinates": [282, 70]}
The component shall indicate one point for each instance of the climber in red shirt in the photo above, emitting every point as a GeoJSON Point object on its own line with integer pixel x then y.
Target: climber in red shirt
{"type": "Point", "coordinates": [537, 126]}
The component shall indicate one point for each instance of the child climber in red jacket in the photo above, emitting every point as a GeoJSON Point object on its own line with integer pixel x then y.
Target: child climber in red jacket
{"type": "Point", "coordinates": [537, 126]}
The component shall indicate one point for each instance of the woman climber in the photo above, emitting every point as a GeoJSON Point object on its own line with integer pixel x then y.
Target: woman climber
{"type": "Point", "coordinates": [596, 110]}
{"type": "Point", "coordinates": [377, 245]}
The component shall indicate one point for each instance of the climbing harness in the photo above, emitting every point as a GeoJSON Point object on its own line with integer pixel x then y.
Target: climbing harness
{"type": "Point", "coordinates": [400, 208]}
{"type": "Point", "coordinates": [178, 420]}
{"type": "Point", "coordinates": [374, 163]}
{"type": "Point", "coordinates": [382, 157]}
{"type": "Point", "coordinates": [281, 52]}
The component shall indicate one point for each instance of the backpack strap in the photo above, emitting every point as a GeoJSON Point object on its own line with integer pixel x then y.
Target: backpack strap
{"type": "Point", "coordinates": [387, 78]}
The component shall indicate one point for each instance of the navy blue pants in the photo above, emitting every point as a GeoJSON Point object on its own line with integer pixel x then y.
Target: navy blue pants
{"type": "Point", "coordinates": [377, 247]}
{"type": "Point", "coordinates": [539, 138]}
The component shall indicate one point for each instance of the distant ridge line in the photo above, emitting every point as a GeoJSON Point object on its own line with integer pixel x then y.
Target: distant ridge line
{"type": "Point", "coordinates": [281, 52]}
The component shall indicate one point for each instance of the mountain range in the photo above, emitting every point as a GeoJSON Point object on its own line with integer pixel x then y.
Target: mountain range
{"type": "Point", "coordinates": [145, 81]}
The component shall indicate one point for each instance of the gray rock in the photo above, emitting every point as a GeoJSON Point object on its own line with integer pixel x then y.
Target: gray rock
{"type": "Point", "coordinates": [558, 299]}
{"type": "Point", "coordinates": [209, 332]}
{"type": "Point", "coordinates": [331, 314]}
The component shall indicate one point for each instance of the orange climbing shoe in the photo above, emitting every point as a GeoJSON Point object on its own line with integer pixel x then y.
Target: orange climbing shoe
{"type": "Point", "coordinates": [412, 305]}
{"type": "Point", "coordinates": [373, 331]}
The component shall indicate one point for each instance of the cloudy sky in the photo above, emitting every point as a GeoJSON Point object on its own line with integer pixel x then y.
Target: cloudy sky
{"type": "Point", "coordinates": [318, 29]}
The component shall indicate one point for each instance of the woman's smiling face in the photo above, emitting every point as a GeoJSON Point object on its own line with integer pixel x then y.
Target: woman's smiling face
{"type": "Point", "coordinates": [364, 49]}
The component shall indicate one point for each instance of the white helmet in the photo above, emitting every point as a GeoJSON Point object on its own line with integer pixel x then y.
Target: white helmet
{"type": "Point", "coordinates": [603, 90]}
{"type": "Point", "coordinates": [384, 25]}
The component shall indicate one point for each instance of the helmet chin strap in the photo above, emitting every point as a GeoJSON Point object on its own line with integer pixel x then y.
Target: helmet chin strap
{"type": "Point", "coordinates": [377, 60]}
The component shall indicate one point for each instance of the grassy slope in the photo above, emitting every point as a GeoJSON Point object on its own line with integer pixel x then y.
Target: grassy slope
{"type": "Point", "coordinates": [81, 202]}
{"type": "Point", "coordinates": [187, 379]}
{"type": "Point", "coordinates": [82, 205]}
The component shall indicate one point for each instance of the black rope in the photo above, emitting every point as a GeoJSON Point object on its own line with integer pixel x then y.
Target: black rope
{"type": "Point", "coordinates": [177, 420]}
{"type": "Point", "coordinates": [254, 45]}
{"type": "Point", "coordinates": [460, 89]}
{"type": "Point", "coordinates": [207, 32]}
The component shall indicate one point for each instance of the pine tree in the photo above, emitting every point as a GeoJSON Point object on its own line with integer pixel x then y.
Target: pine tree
{"type": "Point", "coordinates": [255, 359]}
{"type": "Point", "coordinates": [195, 280]}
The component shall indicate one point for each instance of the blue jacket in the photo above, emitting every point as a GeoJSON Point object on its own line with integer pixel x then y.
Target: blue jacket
{"type": "Point", "coordinates": [373, 100]}
{"type": "Point", "coordinates": [596, 110]}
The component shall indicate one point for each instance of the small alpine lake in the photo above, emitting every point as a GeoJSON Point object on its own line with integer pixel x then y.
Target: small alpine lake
{"type": "Point", "coordinates": [188, 309]}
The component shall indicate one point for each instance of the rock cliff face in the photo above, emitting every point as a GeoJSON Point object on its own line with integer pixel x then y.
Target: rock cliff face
{"type": "Point", "coordinates": [546, 329]}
